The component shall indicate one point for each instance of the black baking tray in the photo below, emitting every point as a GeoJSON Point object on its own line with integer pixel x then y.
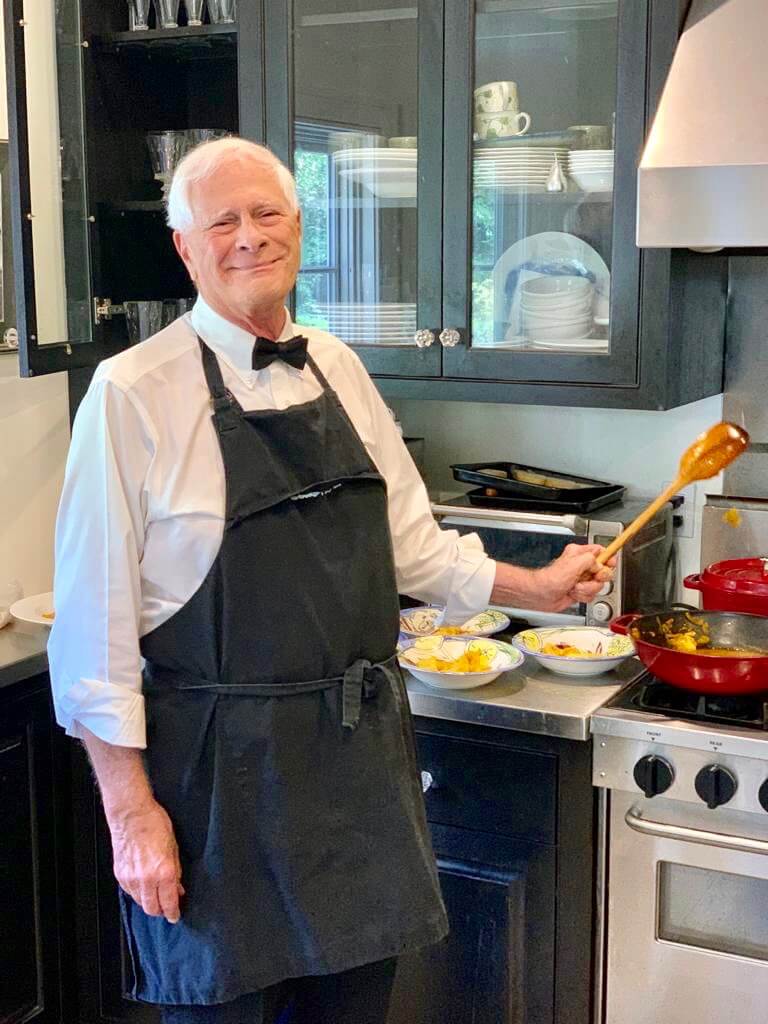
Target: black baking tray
{"type": "Point", "coordinates": [482, 498]}
{"type": "Point", "coordinates": [578, 497]}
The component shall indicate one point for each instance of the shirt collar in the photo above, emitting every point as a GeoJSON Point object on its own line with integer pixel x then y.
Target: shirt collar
{"type": "Point", "coordinates": [232, 343]}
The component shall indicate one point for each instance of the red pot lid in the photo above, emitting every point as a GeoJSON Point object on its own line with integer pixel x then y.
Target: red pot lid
{"type": "Point", "coordinates": [738, 576]}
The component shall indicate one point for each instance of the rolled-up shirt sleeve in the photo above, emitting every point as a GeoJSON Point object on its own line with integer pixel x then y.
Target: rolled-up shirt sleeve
{"type": "Point", "coordinates": [93, 652]}
{"type": "Point", "coordinates": [432, 564]}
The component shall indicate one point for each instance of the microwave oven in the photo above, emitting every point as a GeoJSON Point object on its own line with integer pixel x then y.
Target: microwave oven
{"type": "Point", "coordinates": [645, 576]}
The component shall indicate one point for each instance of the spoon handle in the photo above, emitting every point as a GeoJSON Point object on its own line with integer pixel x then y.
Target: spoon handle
{"type": "Point", "coordinates": [638, 523]}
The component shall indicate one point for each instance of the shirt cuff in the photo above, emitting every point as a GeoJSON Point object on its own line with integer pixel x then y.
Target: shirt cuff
{"type": "Point", "coordinates": [113, 713]}
{"type": "Point", "coordinates": [473, 581]}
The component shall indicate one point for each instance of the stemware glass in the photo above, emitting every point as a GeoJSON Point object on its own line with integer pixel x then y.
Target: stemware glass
{"type": "Point", "coordinates": [167, 13]}
{"type": "Point", "coordinates": [222, 11]}
{"type": "Point", "coordinates": [195, 10]}
{"type": "Point", "coordinates": [138, 14]}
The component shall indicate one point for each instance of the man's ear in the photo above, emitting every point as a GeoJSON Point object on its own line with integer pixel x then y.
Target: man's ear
{"type": "Point", "coordinates": [183, 250]}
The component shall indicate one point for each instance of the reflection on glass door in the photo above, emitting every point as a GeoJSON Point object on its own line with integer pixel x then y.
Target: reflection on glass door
{"type": "Point", "coordinates": [355, 161]}
{"type": "Point", "coordinates": [544, 98]}
{"type": "Point", "coordinates": [53, 57]}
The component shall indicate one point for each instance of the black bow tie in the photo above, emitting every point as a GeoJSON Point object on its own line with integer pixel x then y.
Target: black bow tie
{"type": "Point", "coordinates": [293, 352]}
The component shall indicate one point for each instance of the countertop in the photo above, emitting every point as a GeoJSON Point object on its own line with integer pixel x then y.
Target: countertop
{"type": "Point", "coordinates": [529, 699]}
{"type": "Point", "coordinates": [22, 652]}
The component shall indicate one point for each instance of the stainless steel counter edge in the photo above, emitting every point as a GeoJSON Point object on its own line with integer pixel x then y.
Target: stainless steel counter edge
{"type": "Point", "coordinates": [22, 652]}
{"type": "Point", "coordinates": [529, 699]}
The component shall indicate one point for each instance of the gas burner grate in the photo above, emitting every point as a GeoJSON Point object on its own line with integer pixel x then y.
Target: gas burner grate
{"type": "Point", "coordinates": [653, 695]}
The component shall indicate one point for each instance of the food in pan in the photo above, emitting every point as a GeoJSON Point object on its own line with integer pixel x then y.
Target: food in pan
{"type": "Point", "coordinates": [48, 615]}
{"type": "Point", "coordinates": [695, 640]}
{"type": "Point", "coordinates": [732, 517]}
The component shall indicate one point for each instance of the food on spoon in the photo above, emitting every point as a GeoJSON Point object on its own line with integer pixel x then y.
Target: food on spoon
{"type": "Point", "coordinates": [48, 615]}
{"type": "Point", "coordinates": [732, 517]}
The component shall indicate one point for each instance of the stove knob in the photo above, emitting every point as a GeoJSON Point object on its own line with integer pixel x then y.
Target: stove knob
{"type": "Point", "coordinates": [602, 611]}
{"type": "Point", "coordinates": [654, 775]}
{"type": "Point", "coordinates": [762, 795]}
{"type": "Point", "coordinates": [715, 785]}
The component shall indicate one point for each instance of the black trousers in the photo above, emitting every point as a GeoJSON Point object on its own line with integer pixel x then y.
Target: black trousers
{"type": "Point", "coordinates": [359, 996]}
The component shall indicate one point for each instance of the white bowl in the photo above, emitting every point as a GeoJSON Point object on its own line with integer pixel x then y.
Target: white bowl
{"type": "Point", "coordinates": [504, 658]}
{"type": "Point", "coordinates": [559, 310]}
{"type": "Point", "coordinates": [558, 316]}
{"type": "Point", "coordinates": [546, 287]}
{"type": "Point", "coordinates": [425, 619]}
{"type": "Point", "coordinates": [609, 649]}
{"type": "Point", "coordinates": [581, 329]}
{"type": "Point", "coordinates": [593, 181]}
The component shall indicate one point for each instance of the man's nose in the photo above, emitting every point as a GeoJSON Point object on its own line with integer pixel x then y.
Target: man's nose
{"type": "Point", "coordinates": [249, 234]}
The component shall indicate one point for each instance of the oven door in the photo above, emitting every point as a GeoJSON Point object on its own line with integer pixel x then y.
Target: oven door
{"type": "Point", "coordinates": [687, 914]}
{"type": "Point", "coordinates": [529, 540]}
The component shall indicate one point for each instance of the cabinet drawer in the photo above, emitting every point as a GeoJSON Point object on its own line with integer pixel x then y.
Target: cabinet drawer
{"type": "Point", "coordinates": [489, 789]}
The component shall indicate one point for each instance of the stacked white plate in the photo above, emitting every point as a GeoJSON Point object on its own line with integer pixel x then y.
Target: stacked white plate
{"type": "Point", "coordinates": [389, 173]}
{"type": "Point", "coordinates": [383, 323]}
{"type": "Point", "coordinates": [516, 167]}
{"type": "Point", "coordinates": [591, 170]}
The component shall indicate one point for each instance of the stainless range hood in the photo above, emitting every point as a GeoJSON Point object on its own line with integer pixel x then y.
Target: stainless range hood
{"type": "Point", "coordinates": [703, 177]}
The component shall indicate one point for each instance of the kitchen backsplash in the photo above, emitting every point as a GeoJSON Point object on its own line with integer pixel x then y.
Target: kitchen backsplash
{"type": "Point", "coordinates": [638, 449]}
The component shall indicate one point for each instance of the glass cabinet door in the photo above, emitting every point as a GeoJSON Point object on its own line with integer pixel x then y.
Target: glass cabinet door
{"type": "Point", "coordinates": [367, 147]}
{"type": "Point", "coordinates": [553, 279]}
{"type": "Point", "coordinates": [51, 227]}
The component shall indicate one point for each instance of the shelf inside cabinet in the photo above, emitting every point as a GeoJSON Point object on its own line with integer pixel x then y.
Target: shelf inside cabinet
{"type": "Point", "coordinates": [121, 206]}
{"type": "Point", "coordinates": [193, 41]}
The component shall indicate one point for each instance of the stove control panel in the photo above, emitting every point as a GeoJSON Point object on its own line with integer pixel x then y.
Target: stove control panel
{"type": "Point", "coordinates": [654, 775]}
{"type": "Point", "coordinates": [651, 769]}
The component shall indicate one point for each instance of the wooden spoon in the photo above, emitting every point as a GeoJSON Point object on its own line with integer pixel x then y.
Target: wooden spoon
{"type": "Point", "coordinates": [709, 454]}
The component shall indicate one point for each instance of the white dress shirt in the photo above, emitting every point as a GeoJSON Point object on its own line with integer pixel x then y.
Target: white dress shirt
{"type": "Point", "coordinates": [142, 510]}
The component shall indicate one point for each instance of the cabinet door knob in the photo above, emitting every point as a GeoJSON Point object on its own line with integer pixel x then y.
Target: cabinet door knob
{"type": "Point", "coordinates": [427, 781]}
{"type": "Point", "coordinates": [424, 338]}
{"type": "Point", "coordinates": [450, 337]}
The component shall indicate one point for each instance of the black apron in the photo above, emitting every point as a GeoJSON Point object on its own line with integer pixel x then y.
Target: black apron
{"type": "Point", "coordinates": [279, 736]}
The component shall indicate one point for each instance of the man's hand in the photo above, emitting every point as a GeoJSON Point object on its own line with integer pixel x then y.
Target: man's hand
{"type": "Point", "coordinates": [573, 578]}
{"type": "Point", "coordinates": [146, 861]}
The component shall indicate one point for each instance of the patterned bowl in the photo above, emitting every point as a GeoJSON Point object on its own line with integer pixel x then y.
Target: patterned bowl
{"type": "Point", "coordinates": [425, 619]}
{"type": "Point", "coordinates": [603, 654]}
{"type": "Point", "coordinates": [502, 658]}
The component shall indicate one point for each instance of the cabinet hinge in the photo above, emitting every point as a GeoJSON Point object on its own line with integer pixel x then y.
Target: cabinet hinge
{"type": "Point", "coordinates": [104, 310]}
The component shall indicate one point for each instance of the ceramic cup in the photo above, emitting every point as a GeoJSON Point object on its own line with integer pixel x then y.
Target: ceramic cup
{"type": "Point", "coordinates": [494, 97]}
{"type": "Point", "coordinates": [501, 126]}
{"type": "Point", "coordinates": [403, 142]}
{"type": "Point", "coordinates": [596, 136]}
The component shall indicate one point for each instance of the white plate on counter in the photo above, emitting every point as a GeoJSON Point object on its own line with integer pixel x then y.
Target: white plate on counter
{"type": "Point", "coordinates": [37, 609]}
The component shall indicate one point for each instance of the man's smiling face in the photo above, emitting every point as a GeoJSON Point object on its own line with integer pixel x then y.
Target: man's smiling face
{"type": "Point", "coordinates": [244, 249]}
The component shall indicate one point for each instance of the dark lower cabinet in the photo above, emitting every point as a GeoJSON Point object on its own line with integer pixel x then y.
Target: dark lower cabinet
{"type": "Point", "coordinates": [511, 817]}
{"type": "Point", "coordinates": [30, 922]}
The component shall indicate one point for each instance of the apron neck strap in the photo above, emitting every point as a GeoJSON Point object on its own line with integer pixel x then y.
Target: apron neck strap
{"type": "Point", "coordinates": [318, 373]}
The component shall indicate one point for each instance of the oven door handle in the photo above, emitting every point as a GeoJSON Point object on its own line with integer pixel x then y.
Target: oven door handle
{"type": "Point", "coordinates": [694, 835]}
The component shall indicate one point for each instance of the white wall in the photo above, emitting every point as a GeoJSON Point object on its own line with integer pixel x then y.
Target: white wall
{"type": "Point", "coordinates": [639, 449]}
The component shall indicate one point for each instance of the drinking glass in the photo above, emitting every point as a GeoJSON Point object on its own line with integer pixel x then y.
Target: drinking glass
{"type": "Point", "coordinates": [138, 13]}
{"type": "Point", "coordinates": [165, 151]}
{"type": "Point", "coordinates": [167, 13]}
{"type": "Point", "coordinates": [222, 11]}
{"type": "Point", "coordinates": [143, 319]}
{"type": "Point", "coordinates": [195, 11]}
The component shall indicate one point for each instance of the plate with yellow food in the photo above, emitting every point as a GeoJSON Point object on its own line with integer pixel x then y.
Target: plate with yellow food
{"type": "Point", "coordinates": [426, 620]}
{"type": "Point", "coordinates": [575, 650]}
{"type": "Point", "coordinates": [37, 609]}
{"type": "Point", "coordinates": [457, 663]}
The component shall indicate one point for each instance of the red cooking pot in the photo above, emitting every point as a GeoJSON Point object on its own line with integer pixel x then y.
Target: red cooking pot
{"type": "Point", "coordinates": [700, 672]}
{"type": "Point", "coordinates": [737, 585]}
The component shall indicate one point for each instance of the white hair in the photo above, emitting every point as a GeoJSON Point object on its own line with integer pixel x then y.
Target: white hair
{"type": "Point", "coordinates": [205, 159]}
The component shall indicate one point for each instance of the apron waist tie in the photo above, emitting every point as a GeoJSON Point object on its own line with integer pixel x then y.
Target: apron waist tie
{"type": "Point", "coordinates": [360, 682]}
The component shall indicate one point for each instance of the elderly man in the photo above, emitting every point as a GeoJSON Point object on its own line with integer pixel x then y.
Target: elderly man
{"type": "Point", "coordinates": [238, 515]}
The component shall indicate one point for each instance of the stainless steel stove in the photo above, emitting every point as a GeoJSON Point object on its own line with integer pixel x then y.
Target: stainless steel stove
{"type": "Point", "coordinates": [684, 820]}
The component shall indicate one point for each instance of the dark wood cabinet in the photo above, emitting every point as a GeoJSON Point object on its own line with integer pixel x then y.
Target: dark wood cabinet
{"type": "Point", "coordinates": [512, 821]}
{"type": "Point", "coordinates": [30, 912]}
{"type": "Point", "coordinates": [415, 252]}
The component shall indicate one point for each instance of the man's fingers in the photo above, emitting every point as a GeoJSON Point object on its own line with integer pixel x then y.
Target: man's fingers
{"type": "Point", "coordinates": [168, 894]}
{"type": "Point", "coordinates": [148, 900]}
